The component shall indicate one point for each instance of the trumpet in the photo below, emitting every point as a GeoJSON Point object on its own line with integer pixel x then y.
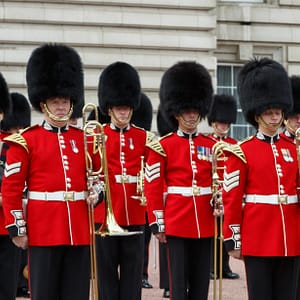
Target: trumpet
{"type": "Point", "coordinates": [140, 185]}
{"type": "Point", "coordinates": [217, 156]}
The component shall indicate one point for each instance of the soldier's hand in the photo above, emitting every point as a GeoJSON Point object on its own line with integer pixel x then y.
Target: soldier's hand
{"type": "Point", "coordinates": [21, 241]}
{"type": "Point", "coordinates": [93, 197]}
{"type": "Point", "coordinates": [235, 254]}
{"type": "Point", "coordinates": [161, 236]}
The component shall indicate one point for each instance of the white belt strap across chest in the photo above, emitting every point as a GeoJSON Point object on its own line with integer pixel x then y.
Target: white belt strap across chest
{"type": "Point", "coordinates": [189, 191]}
{"type": "Point", "coordinates": [57, 196]}
{"type": "Point", "coordinates": [271, 199]}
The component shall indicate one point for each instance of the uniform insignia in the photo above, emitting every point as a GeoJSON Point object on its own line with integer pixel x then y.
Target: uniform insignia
{"type": "Point", "coordinates": [204, 153]}
{"type": "Point", "coordinates": [159, 220]}
{"type": "Point", "coordinates": [152, 171]}
{"type": "Point", "coordinates": [19, 222]}
{"type": "Point", "coordinates": [73, 146]}
{"type": "Point", "coordinates": [131, 145]}
{"type": "Point", "coordinates": [12, 169]}
{"type": "Point", "coordinates": [237, 151]}
{"type": "Point", "coordinates": [287, 155]}
{"type": "Point", "coordinates": [157, 147]}
{"type": "Point", "coordinates": [17, 138]}
{"type": "Point", "coordinates": [231, 180]}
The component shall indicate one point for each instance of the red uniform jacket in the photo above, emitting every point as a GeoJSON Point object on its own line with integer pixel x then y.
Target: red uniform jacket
{"type": "Point", "coordinates": [52, 164]}
{"type": "Point", "coordinates": [184, 164]}
{"type": "Point", "coordinates": [3, 149]}
{"type": "Point", "coordinates": [267, 224]}
{"type": "Point", "coordinates": [124, 149]}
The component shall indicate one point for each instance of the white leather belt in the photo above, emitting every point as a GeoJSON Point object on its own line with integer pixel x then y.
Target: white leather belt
{"type": "Point", "coordinates": [125, 179]}
{"type": "Point", "coordinates": [271, 199]}
{"type": "Point", "coordinates": [57, 196]}
{"type": "Point", "coordinates": [189, 191]}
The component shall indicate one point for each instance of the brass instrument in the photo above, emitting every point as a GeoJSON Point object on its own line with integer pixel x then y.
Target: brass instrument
{"type": "Point", "coordinates": [217, 156]}
{"type": "Point", "coordinates": [92, 135]}
{"type": "Point", "coordinates": [140, 195]}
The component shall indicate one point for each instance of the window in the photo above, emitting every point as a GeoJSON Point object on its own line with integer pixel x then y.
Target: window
{"type": "Point", "coordinates": [226, 84]}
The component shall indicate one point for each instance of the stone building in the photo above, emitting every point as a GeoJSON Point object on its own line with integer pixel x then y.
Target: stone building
{"type": "Point", "coordinates": [152, 35]}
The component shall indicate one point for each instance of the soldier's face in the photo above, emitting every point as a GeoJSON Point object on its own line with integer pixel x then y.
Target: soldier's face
{"type": "Point", "coordinates": [293, 123]}
{"type": "Point", "coordinates": [120, 115]}
{"type": "Point", "coordinates": [270, 120]}
{"type": "Point", "coordinates": [188, 121]}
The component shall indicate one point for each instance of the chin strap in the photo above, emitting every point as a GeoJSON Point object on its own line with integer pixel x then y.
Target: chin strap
{"type": "Point", "coordinates": [117, 122]}
{"type": "Point", "coordinates": [59, 119]}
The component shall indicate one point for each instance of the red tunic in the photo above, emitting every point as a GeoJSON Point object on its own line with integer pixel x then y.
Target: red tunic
{"type": "Point", "coordinates": [3, 148]}
{"type": "Point", "coordinates": [184, 164]}
{"type": "Point", "coordinates": [47, 161]}
{"type": "Point", "coordinates": [264, 225]}
{"type": "Point", "coordinates": [124, 149]}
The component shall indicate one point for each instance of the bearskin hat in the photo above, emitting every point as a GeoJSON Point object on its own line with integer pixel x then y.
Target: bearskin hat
{"type": "Point", "coordinates": [223, 109]}
{"type": "Point", "coordinates": [20, 115]}
{"type": "Point", "coordinates": [4, 96]}
{"type": "Point", "coordinates": [102, 118]}
{"type": "Point", "coordinates": [186, 85]}
{"type": "Point", "coordinates": [142, 116]}
{"type": "Point", "coordinates": [295, 83]}
{"type": "Point", "coordinates": [163, 123]}
{"type": "Point", "coordinates": [263, 84]}
{"type": "Point", "coordinates": [119, 84]}
{"type": "Point", "coordinates": [54, 70]}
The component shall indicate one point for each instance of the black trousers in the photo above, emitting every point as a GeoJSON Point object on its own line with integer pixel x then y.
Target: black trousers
{"type": "Point", "coordinates": [147, 238]}
{"type": "Point", "coordinates": [189, 267]}
{"type": "Point", "coordinates": [272, 278]}
{"type": "Point", "coordinates": [163, 267]}
{"type": "Point", "coordinates": [10, 257]}
{"type": "Point", "coordinates": [59, 272]}
{"type": "Point", "coordinates": [119, 263]}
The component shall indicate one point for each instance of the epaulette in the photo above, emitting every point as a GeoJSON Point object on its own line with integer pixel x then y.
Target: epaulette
{"type": "Point", "coordinates": [166, 135]}
{"type": "Point", "coordinates": [150, 137]}
{"type": "Point", "coordinates": [157, 147]}
{"type": "Point", "coordinates": [237, 151]}
{"type": "Point", "coordinates": [18, 139]}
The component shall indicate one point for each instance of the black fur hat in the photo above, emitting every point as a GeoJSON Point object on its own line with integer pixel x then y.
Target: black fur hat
{"type": "Point", "coordinates": [54, 70]}
{"type": "Point", "coordinates": [223, 109]}
{"type": "Point", "coordinates": [119, 84]}
{"type": "Point", "coordinates": [163, 123]}
{"type": "Point", "coordinates": [186, 85]}
{"type": "Point", "coordinates": [20, 115]}
{"type": "Point", "coordinates": [102, 118]}
{"type": "Point", "coordinates": [295, 83]}
{"type": "Point", "coordinates": [142, 116]}
{"type": "Point", "coordinates": [5, 102]}
{"type": "Point", "coordinates": [263, 84]}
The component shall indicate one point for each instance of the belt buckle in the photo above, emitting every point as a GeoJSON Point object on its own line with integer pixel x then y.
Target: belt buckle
{"type": "Point", "coordinates": [69, 196]}
{"type": "Point", "coordinates": [282, 199]}
{"type": "Point", "coordinates": [125, 179]}
{"type": "Point", "coordinates": [196, 191]}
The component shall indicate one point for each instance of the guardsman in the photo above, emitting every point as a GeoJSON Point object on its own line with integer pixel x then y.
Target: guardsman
{"type": "Point", "coordinates": [18, 119]}
{"type": "Point", "coordinates": [120, 255]}
{"type": "Point", "coordinates": [221, 115]}
{"type": "Point", "coordinates": [261, 206]}
{"type": "Point", "coordinates": [50, 159]}
{"type": "Point", "coordinates": [9, 253]}
{"type": "Point", "coordinates": [292, 121]}
{"type": "Point", "coordinates": [181, 162]}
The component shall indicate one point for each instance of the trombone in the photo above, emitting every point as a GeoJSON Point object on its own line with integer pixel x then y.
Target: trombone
{"type": "Point", "coordinates": [140, 194]}
{"type": "Point", "coordinates": [217, 156]}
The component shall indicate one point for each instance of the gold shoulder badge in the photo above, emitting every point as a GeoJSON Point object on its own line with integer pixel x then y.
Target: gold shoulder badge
{"type": "Point", "coordinates": [157, 147]}
{"type": "Point", "coordinates": [150, 137]}
{"type": "Point", "coordinates": [18, 139]}
{"type": "Point", "coordinates": [237, 151]}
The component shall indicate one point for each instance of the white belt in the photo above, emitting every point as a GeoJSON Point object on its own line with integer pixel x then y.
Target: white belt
{"type": "Point", "coordinates": [189, 191]}
{"type": "Point", "coordinates": [125, 179]}
{"type": "Point", "coordinates": [271, 199]}
{"type": "Point", "coordinates": [57, 196]}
